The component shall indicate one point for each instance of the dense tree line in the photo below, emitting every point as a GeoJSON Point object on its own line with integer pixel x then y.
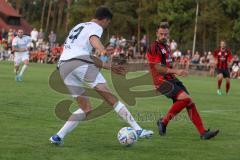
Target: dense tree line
{"type": "Point", "coordinates": [217, 19]}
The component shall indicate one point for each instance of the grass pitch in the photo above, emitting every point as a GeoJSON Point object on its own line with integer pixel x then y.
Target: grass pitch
{"type": "Point", "coordinates": [27, 120]}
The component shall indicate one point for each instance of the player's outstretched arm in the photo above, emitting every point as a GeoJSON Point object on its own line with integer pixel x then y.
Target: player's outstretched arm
{"type": "Point", "coordinates": [163, 69]}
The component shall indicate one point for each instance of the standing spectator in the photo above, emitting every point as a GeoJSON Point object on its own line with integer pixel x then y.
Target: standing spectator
{"type": "Point", "coordinates": [134, 45]}
{"type": "Point", "coordinates": [4, 34]}
{"type": "Point", "coordinates": [211, 64]}
{"type": "Point", "coordinates": [10, 38]}
{"type": "Point", "coordinates": [52, 39]}
{"type": "Point", "coordinates": [40, 38]}
{"type": "Point", "coordinates": [173, 46]}
{"type": "Point", "coordinates": [34, 37]}
{"type": "Point", "coordinates": [14, 32]}
{"type": "Point", "coordinates": [143, 44]}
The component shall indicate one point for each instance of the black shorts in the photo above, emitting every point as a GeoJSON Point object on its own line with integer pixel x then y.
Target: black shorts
{"type": "Point", "coordinates": [224, 72]}
{"type": "Point", "coordinates": [172, 88]}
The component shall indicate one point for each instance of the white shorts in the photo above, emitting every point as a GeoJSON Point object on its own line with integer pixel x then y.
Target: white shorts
{"type": "Point", "coordinates": [20, 57]}
{"type": "Point", "coordinates": [84, 75]}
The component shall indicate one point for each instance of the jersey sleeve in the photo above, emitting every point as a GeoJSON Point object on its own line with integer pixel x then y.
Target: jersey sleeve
{"type": "Point", "coordinates": [96, 31]}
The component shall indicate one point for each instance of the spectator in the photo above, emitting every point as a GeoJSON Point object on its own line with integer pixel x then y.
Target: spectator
{"type": "Point", "coordinates": [123, 42]}
{"type": "Point", "coordinates": [235, 70]}
{"type": "Point", "coordinates": [10, 38]}
{"type": "Point", "coordinates": [184, 62]}
{"type": "Point", "coordinates": [34, 37]}
{"type": "Point", "coordinates": [143, 46]}
{"type": "Point", "coordinates": [173, 46]}
{"type": "Point", "coordinates": [195, 58]}
{"type": "Point", "coordinates": [211, 63]}
{"type": "Point", "coordinates": [176, 58]}
{"type": "Point", "coordinates": [112, 41]}
{"type": "Point", "coordinates": [52, 39]}
{"type": "Point", "coordinates": [4, 34]}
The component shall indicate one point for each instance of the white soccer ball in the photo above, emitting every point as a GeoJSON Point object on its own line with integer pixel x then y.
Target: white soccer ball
{"type": "Point", "coordinates": [127, 136]}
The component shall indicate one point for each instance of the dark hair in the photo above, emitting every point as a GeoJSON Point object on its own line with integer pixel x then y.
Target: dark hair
{"type": "Point", "coordinates": [103, 12]}
{"type": "Point", "coordinates": [164, 25]}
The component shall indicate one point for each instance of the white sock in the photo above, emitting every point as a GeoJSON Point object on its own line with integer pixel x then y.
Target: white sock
{"type": "Point", "coordinates": [123, 112]}
{"type": "Point", "coordinates": [72, 122]}
{"type": "Point", "coordinates": [23, 69]}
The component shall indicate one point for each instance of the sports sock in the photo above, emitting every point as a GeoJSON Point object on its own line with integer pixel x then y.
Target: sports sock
{"type": "Point", "coordinates": [175, 109]}
{"type": "Point", "coordinates": [23, 69]}
{"type": "Point", "coordinates": [219, 83]}
{"type": "Point", "coordinates": [123, 112]}
{"type": "Point", "coordinates": [195, 118]}
{"type": "Point", "coordinates": [227, 87]}
{"type": "Point", "coordinates": [72, 123]}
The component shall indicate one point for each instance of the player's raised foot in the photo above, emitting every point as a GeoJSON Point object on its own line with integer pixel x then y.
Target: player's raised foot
{"type": "Point", "coordinates": [209, 134]}
{"type": "Point", "coordinates": [219, 92]}
{"type": "Point", "coordinates": [144, 133]}
{"type": "Point", "coordinates": [162, 128]}
{"type": "Point", "coordinates": [56, 140]}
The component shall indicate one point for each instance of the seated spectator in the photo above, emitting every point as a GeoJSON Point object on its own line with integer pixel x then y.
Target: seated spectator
{"type": "Point", "coordinates": [176, 58]}
{"type": "Point", "coordinates": [196, 58]}
{"type": "Point", "coordinates": [235, 70]}
{"type": "Point", "coordinates": [41, 56]}
{"type": "Point", "coordinates": [184, 62]}
{"type": "Point", "coordinates": [112, 41]}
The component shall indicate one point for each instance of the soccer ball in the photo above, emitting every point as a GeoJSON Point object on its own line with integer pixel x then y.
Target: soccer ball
{"type": "Point", "coordinates": [127, 136]}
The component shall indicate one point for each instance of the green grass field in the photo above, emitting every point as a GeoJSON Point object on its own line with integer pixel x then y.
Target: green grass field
{"type": "Point", "coordinates": [27, 120]}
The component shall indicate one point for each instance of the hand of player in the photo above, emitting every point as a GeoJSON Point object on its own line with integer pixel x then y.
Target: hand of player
{"type": "Point", "coordinates": [118, 69]}
{"type": "Point", "coordinates": [181, 72]}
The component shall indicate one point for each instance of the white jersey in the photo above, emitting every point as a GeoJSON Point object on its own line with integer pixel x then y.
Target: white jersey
{"type": "Point", "coordinates": [21, 43]}
{"type": "Point", "coordinates": [77, 43]}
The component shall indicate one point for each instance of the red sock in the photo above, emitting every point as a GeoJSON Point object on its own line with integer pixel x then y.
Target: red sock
{"type": "Point", "coordinates": [195, 118]}
{"type": "Point", "coordinates": [227, 87]}
{"type": "Point", "coordinates": [175, 109]}
{"type": "Point", "coordinates": [219, 83]}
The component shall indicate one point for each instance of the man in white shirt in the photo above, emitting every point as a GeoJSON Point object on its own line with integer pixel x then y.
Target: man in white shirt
{"type": "Point", "coordinates": [34, 36]}
{"type": "Point", "coordinates": [173, 45]}
{"type": "Point", "coordinates": [21, 54]}
{"type": "Point", "coordinates": [78, 66]}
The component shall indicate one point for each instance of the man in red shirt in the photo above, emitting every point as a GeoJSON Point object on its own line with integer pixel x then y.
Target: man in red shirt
{"type": "Point", "coordinates": [223, 57]}
{"type": "Point", "coordinates": [159, 56]}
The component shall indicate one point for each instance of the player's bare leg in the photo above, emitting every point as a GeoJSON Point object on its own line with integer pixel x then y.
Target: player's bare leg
{"type": "Point", "coordinates": [122, 110]}
{"type": "Point", "coordinates": [183, 100]}
{"type": "Point", "coordinates": [219, 79]}
{"type": "Point", "coordinates": [227, 85]}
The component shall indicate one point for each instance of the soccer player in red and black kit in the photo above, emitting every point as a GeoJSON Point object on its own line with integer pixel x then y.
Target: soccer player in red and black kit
{"type": "Point", "coordinates": [160, 60]}
{"type": "Point", "coordinates": [223, 57]}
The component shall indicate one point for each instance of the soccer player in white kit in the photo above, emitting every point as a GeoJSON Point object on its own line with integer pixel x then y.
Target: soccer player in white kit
{"type": "Point", "coordinates": [78, 49]}
{"type": "Point", "coordinates": [21, 53]}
